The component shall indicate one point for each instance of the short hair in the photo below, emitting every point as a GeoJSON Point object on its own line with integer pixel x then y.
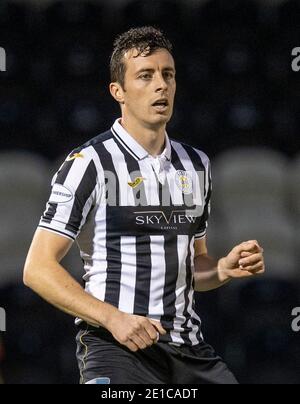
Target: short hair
{"type": "Point", "coordinates": [140, 38]}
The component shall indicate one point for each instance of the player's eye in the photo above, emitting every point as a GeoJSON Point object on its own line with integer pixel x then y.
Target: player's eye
{"type": "Point", "coordinates": [145, 76]}
{"type": "Point", "coordinates": [169, 75]}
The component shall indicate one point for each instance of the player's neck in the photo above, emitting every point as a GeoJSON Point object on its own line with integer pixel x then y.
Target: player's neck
{"type": "Point", "coordinates": [151, 139]}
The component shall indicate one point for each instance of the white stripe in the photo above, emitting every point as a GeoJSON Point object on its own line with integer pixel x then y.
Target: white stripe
{"type": "Point", "coordinates": [96, 257]}
{"type": "Point", "coordinates": [99, 239]}
{"type": "Point", "coordinates": [158, 273]}
{"type": "Point", "coordinates": [126, 192]}
{"type": "Point", "coordinates": [182, 250]}
{"type": "Point", "coordinates": [201, 235]}
{"type": "Point", "coordinates": [150, 184]}
{"type": "Point", "coordinates": [96, 285]}
{"type": "Point", "coordinates": [128, 274]}
{"type": "Point", "coordinates": [93, 252]}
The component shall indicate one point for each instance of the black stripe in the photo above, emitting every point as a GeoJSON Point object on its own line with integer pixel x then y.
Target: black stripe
{"type": "Point", "coordinates": [82, 194]}
{"type": "Point", "coordinates": [112, 193]}
{"type": "Point", "coordinates": [196, 323]}
{"type": "Point", "coordinates": [169, 296]}
{"type": "Point", "coordinates": [56, 231]}
{"type": "Point", "coordinates": [114, 265]}
{"type": "Point", "coordinates": [50, 213]}
{"type": "Point", "coordinates": [199, 166]}
{"type": "Point", "coordinates": [143, 275]}
{"type": "Point", "coordinates": [60, 179]}
{"type": "Point", "coordinates": [205, 215]}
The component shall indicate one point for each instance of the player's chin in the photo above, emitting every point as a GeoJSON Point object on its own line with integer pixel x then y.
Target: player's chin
{"type": "Point", "coordinates": [163, 118]}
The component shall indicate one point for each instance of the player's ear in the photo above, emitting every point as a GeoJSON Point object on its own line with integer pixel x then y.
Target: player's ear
{"type": "Point", "coordinates": [117, 92]}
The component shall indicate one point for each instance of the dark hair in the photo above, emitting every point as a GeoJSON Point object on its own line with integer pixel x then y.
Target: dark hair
{"type": "Point", "coordinates": [143, 39]}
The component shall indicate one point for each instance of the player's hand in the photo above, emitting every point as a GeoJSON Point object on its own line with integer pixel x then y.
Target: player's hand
{"type": "Point", "coordinates": [135, 332]}
{"type": "Point", "coordinates": [243, 261]}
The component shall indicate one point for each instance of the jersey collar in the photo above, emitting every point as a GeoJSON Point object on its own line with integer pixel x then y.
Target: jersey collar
{"type": "Point", "coordinates": [133, 146]}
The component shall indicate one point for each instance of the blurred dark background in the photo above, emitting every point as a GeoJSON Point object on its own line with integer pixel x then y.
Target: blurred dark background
{"type": "Point", "coordinates": [237, 100]}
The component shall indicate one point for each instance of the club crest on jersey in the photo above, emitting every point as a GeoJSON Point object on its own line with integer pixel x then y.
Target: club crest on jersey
{"type": "Point", "coordinates": [184, 181]}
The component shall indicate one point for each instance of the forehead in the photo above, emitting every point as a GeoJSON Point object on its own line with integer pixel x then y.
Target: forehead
{"type": "Point", "coordinates": [159, 59]}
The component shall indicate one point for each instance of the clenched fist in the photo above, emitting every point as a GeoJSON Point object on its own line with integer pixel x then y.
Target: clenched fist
{"type": "Point", "coordinates": [135, 332]}
{"type": "Point", "coordinates": [243, 261]}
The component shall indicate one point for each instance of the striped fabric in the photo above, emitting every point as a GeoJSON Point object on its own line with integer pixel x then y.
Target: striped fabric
{"type": "Point", "coordinates": [135, 219]}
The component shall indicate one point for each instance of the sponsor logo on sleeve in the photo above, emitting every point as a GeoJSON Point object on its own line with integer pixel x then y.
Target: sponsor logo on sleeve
{"type": "Point", "coordinates": [60, 194]}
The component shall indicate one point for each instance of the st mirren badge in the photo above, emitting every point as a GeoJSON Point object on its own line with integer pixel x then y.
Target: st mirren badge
{"type": "Point", "coordinates": [184, 181]}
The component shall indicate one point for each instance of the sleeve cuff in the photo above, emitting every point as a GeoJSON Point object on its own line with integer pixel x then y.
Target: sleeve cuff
{"type": "Point", "coordinates": [59, 232]}
{"type": "Point", "coordinates": [199, 236]}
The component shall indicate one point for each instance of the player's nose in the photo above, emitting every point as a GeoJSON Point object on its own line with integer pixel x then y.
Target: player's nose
{"type": "Point", "coordinates": [160, 83]}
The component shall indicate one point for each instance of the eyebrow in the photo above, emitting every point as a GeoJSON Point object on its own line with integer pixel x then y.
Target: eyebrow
{"type": "Point", "coordinates": [142, 70]}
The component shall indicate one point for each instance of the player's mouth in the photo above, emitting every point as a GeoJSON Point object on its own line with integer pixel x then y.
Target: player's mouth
{"type": "Point", "coordinates": [161, 105]}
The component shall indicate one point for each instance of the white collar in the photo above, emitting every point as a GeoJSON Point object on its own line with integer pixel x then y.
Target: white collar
{"type": "Point", "coordinates": [133, 146]}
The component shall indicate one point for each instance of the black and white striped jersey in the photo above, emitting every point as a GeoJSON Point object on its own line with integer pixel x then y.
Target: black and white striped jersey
{"type": "Point", "coordinates": [135, 219]}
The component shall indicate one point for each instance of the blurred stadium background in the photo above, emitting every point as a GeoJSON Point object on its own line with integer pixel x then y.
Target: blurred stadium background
{"type": "Point", "coordinates": [237, 100]}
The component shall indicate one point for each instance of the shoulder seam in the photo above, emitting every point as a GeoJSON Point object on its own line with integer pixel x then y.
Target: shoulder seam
{"type": "Point", "coordinates": [190, 147]}
{"type": "Point", "coordinates": [94, 141]}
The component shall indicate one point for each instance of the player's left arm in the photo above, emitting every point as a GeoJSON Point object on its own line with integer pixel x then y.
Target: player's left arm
{"type": "Point", "coordinates": [245, 260]}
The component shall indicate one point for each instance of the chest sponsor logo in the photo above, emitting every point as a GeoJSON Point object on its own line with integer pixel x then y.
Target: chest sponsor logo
{"type": "Point", "coordinates": [184, 182]}
{"type": "Point", "coordinates": [177, 217]}
{"type": "Point", "coordinates": [60, 194]}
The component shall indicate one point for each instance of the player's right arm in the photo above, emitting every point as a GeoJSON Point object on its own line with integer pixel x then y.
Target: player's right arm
{"type": "Point", "coordinates": [44, 274]}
